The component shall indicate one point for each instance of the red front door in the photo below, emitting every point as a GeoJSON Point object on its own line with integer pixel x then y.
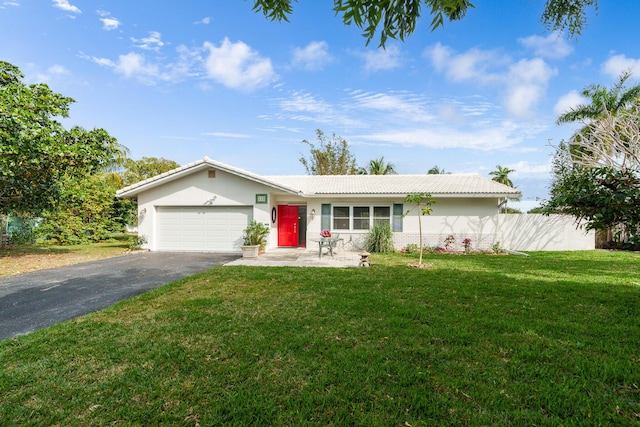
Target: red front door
{"type": "Point", "coordinates": [287, 225]}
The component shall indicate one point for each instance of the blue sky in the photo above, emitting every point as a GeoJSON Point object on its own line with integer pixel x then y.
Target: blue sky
{"type": "Point", "coordinates": [188, 79]}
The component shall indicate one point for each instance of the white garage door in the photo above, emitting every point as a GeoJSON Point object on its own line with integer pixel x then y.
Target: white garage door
{"type": "Point", "coordinates": [206, 229]}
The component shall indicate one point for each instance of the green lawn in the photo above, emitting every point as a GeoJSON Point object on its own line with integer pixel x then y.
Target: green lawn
{"type": "Point", "coordinates": [551, 339]}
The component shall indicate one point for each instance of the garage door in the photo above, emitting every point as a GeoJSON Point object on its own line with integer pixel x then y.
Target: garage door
{"type": "Point", "coordinates": [207, 229]}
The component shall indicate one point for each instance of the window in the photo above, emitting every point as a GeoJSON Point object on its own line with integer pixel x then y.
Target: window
{"type": "Point", "coordinates": [381, 215]}
{"type": "Point", "coordinates": [361, 217]}
{"type": "Point", "coordinates": [341, 217]}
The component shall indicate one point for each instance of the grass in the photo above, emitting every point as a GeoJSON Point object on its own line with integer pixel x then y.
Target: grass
{"type": "Point", "coordinates": [553, 339]}
{"type": "Point", "coordinates": [16, 259]}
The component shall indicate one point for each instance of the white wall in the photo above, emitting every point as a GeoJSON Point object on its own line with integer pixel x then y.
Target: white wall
{"type": "Point", "coordinates": [526, 232]}
{"type": "Point", "coordinates": [197, 189]}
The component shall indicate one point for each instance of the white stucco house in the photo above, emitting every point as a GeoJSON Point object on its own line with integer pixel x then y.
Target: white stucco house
{"type": "Point", "coordinates": [205, 206]}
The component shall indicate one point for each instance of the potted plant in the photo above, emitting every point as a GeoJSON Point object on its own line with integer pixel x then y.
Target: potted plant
{"type": "Point", "coordinates": [255, 238]}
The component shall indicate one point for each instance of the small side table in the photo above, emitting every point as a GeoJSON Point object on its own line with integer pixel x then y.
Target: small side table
{"type": "Point", "coordinates": [364, 259]}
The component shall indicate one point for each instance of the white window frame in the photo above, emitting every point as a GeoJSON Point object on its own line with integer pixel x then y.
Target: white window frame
{"type": "Point", "coordinates": [371, 220]}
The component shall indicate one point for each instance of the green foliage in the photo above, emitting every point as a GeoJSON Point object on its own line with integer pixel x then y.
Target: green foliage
{"type": "Point", "coordinates": [378, 167]}
{"type": "Point", "coordinates": [36, 152]}
{"type": "Point", "coordinates": [571, 15]}
{"type": "Point", "coordinates": [329, 157]}
{"type": "Point", "coordinates": [536, 210]}
{"type": "Point", "coordinates": [136, 242]}
{"type": "Point", "coordinates": [437, 171]}
{"type": "Point", "coordinates": [147, 167]}
{"type": "Point", "coordinates": [501, 175]}
{"type": "Point", "coordinates": [422, 202]}
{"type": "Point", "coordinates": [256, 234]}
{"type": "Point", "coordinates": [379, 239]}
{"type": "Point", "coordinates": [398, 19]}
{"type": "Point", "coordinates": [87, 211]}
{"type": "Point", "coordinates": [411, 248]}
{"type": "Point", "coordinates": [604, 197]}
{"type": "Point", "coordinates": [21, 230]}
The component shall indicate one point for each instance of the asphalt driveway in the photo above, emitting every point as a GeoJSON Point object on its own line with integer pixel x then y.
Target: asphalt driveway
{"type": "Point", "coordinates": [33, 301]}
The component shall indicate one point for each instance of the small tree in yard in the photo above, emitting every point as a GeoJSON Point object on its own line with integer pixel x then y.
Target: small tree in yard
{"type": "Point", "coordinates": [423, 203]}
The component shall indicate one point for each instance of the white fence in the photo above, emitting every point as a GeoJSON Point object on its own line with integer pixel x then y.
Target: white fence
{"type": "Point", "coordinates": [526, 232]}
{"type": "Point", "coordinates": [518, 232]}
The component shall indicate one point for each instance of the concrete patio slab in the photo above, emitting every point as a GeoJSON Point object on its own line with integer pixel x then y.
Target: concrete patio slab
{"type": "Point", "coordinates": [301, 257]}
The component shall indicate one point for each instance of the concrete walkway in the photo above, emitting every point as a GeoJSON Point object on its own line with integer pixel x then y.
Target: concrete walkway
{"type": "Point", "coordinates": [301, 257]}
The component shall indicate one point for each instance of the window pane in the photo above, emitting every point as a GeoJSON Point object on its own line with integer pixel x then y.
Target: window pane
{"type": "Point", "coordinates": [341, 218]}
{"type": "Point", "coordinates": [361, 223]}
{"type": "Point", "coordinates": [382, 212]}
{"type": "Point", "coordinates": [361, 217]}
{"type": "Point", "coordinates": [341, 212]}
{"type": "Point", "coordinates": [361, 212]}
{"type": "Point", "coordinates": [381, 215]}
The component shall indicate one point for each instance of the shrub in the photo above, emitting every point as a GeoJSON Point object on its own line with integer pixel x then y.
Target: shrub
{"type": "Point", "coordinates": [379, 239]}
{"type": "Point", "coordinates": [411, 248]}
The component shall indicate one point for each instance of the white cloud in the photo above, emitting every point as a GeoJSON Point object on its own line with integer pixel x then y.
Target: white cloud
{"type": "Point", "coordinates": [473, 65]}
{"type": "Point", "coordinates": [135, 64]}
{"type": "Point", "coordinates": [486, 138]}
{"type": "Point", "coordinates": [204, 21]}
{"type": "Point", "coordinates": [567, 102]}
{"type": "Point", "coordinates": [526, 83]}
{"type": "Point", "coordinates": [525, 168]}
{"type": "Point", "coordinates": [523, 83]}
{"type": "Point", "coordinates": [382, 59]}
{"type": "Point", "coordinates": [312, 57]}
{"type": "Point", "coordinates": [153, 42]}
{"type": "Point", "coordinates": [109, 24]}
{"type": "Point", "coordinates": [66, 6]}
{"type": "Point", "coordinates": [617, 64]}
{"type": "Point", "coordinates": [227, 135]}
{"type": "Point", "coordinates": [405, 105]}
{"type": "Point", "coordinates": [53, 73]}
{"type": "Point", "coordinates": [237, 66]}
{"type": "Point", "coordinates": [7, 3]}
{"type": "Point", "coordinates": [554, 46]}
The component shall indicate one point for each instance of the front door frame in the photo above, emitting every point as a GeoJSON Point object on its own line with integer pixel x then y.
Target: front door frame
{"type": "Point", "coordinates": [292, 225]}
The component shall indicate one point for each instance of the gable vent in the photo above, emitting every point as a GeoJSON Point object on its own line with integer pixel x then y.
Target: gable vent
{"type": "Point", "coordinates": [211, 173]}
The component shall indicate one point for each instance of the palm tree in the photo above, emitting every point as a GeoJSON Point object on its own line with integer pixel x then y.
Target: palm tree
{"type": "Point", "coordinates": [436, 171]}
{"type": "Point", "coordinates": [603, 103]}
{"type": "Point", "coordinates": [615, 100]}
{"type": "Point", "coordinates": [378, 167]}
{"type": "Point", "coordinates": [501, 175]}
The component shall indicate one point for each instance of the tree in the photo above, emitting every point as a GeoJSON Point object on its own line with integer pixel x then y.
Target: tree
{"type": "Point", "coordinates": [329, 157]}
{"type": "Point", "coordinates": [602, 100]}
{"type": "Point", "coordinates": [436, 171]}
{"type": "Point", "coordinates": [603, 197]}
{"type": "Point", "coordinates": [423, 203]}
{"type": "Point", "coordinates": [501, 175]}
{"type": "Point", "coordinates": [147, 167]}
{"type": "Point", "coordinates": [36, 152]}
{"type": "Point", "coordinates": [603, 103]}
{"type": "Point", "coordinates": [398, 19]}
{"type": "Point", "coordinates": [86, 211]}
{"type": "Point", "coordinates": [601, 186]}
{"type": "Point", "coordinates": [378, 167]}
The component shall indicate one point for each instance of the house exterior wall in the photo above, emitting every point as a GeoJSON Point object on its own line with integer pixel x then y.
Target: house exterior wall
{"type": "Point", "coordinates": [197, 189]}
{"type": "Point", "coordinates": [474, 217]}
{"type": "Point", "coordinates": [445, 208]}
